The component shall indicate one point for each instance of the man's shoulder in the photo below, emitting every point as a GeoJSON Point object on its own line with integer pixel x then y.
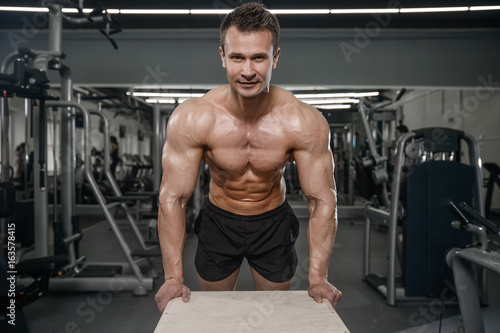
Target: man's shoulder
{"type": "Point", "coordinates": [201, 105]}
{"type": "Point", "coordinates": [195, 115]}
{"type": "Point", "coordinates": [295, 111]}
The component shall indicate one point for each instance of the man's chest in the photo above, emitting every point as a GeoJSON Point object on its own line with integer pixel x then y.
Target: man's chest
{"type": "Point", "coordinates": [237, 149]}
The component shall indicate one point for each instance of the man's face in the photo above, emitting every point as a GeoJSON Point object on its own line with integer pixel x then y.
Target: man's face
{"type": "Point", "coordinates": [249, 60]}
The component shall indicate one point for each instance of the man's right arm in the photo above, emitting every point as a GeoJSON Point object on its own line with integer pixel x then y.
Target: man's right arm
{"type": "Point", "coordinates": [181, 160]}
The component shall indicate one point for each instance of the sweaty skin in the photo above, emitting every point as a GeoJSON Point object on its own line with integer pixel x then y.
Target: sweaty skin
{"type": "Point", "coordinates": [246, 132]}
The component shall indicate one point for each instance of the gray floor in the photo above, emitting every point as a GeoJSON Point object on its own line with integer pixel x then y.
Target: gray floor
{"type": "Point", "coordinates": [362, 309]}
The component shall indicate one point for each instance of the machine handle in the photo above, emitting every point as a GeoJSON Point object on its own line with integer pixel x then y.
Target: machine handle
{"type": "Point", "coordinates": [475, 217]}
{"type": "Point", "coordinates": [464, 222]}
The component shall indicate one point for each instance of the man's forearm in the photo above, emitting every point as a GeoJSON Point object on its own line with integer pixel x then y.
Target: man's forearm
{"type": "Point", "coordinates": [172, 235]}
{"type": "Point", "coordinates": [321, 235]}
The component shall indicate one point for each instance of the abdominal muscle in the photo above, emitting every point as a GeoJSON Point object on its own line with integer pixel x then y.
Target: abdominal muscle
{"type": "Point", "coordinates": [248, 194]}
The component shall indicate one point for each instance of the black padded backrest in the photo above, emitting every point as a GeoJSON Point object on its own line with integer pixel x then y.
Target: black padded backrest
{"type": "Point", "coordinates": [428, 234]}
{"type": "Point", "coordinates": [7, 199]}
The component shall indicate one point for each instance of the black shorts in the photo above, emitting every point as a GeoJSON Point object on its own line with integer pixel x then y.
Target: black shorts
{"type": "Point", "coordinates": [266, 240]}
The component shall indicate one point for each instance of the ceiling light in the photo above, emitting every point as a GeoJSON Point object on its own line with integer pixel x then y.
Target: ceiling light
{"type": "Point", "coordinates": [330, 101]}
{"type": "Point", "coordinates": [365, 11]}
{"type": "Point", "coordinates": [75, 10]}
{"type": "Point", "coordinates": [299, 11]}
{"type": "Point", "coordinates": [274, 11]}
{"type": "Point", "coordinates": [24, 9]}
{"type": "Point", "coordinates": [338, 95]}
{"type": "Point", "coordinates": [434, 10]}
{"type": "Point", "coordinates": [476, 8]}
{"type": "Point", "coordinates": [154, 11]}
{"type": "Point", "coordinates": [210, 11]}
{"type": "Point", "coordinates": [166, 95]}
{"type": "Point", "coordinates": [333, 106]}
{"type": "Point", "coordinates": [165, 100]}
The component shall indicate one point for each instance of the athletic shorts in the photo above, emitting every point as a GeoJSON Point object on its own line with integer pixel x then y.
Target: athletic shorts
{"type": "Point", "coordinates": [266, 240]}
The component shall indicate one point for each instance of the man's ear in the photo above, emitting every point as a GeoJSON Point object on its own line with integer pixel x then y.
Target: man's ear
{"type": "Point", "coordinates": [221, 52]}
{"type": "Point", "coordinates": [276, 57]}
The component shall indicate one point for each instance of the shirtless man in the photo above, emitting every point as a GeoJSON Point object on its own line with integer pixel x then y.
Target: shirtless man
{"type": "Point", "coordinates": [246, 132]}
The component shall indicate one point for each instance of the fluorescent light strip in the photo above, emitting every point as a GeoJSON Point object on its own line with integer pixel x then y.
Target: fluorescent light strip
{"type": "Point", "coordinates": [75, 11]}
{"type": "Point", "coordinates": [337, 95]}
{"type": "Point", "coordinates": [434, 10]}
{"type": "Point", "coordinates": [24, 9]}
{"type": "Point", "coordinates": [165, 100]}
{"type": "Point", "coordinates": [330, 101]}
{"type": "Point", "coordinates": [155, 11]}
{"type": "Point", "coordinates": [274, 11]}
{"type": "Point", "coordinates": [210, 11]}
{"type": "Point", "coordinates": [476, 8]}
{"type": "Point", "coordinates": [299, 11]}
{"type": "Point", "coordinates": [333, 106]}
{"type": "Point", "coordinates": [365, 11]}
{"type": "Point", "coordinates": [166, 95]}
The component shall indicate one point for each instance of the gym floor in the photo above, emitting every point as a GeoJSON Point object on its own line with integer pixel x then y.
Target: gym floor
{"type": "Point", "coordinates": [362, 308]}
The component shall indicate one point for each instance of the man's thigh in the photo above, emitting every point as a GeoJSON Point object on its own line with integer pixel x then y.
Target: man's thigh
{"type": "Point", "coordinates": [227, 284]}
{"type": "Point", "coordinates": [261, 283]}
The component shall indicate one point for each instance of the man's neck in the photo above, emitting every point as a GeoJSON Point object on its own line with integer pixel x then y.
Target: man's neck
{"type": "Point", "coordinates": [250, 109]}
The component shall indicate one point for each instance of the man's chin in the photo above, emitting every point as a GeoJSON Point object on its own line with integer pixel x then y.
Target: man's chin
{"type": "Point", "coordinates": [250, 92]}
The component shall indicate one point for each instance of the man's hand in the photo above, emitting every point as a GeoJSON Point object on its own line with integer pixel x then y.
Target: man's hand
{"type": "Point", "coordinates": [168, 291]}
{"type": "Point", "coordinates": [323, 289]}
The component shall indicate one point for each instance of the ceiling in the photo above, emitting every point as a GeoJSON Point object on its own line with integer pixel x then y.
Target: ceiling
{"type": "Point", "coordinates": [454, 20]}
{"type": "Point", "coordinates": [469, 19]}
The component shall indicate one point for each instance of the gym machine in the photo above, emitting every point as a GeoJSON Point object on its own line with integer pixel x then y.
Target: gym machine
{"type": "Point", "coordinates": [13, 298]}
{"type": "Point", "coordinates": [378, 158]}
{"type": "Point", "coordinates": [119, 197]}
{"type": "Point", "coordinates": [418, 232]}
{"type": "Point", "coordinates": [462, 262]}
{"type": "Point", "coordinates": [83, 282]}
{"type": "Point", "coordinates": [29, 80]}
{"type": "Point", "coordinates": [493, 179]}
{"type": "Point", "coordinates": [342, 129]}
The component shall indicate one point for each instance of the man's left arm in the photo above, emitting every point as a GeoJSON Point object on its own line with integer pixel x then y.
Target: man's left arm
{"type": "Point", "coordinates": [315, 167]}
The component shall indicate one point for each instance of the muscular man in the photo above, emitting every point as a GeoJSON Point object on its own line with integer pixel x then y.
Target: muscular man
{"type": "Point", "coordinates": [246, 132]}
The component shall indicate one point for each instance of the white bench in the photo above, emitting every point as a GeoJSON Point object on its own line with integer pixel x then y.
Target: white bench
{"type": "Point", "coordinates": [250, 311]}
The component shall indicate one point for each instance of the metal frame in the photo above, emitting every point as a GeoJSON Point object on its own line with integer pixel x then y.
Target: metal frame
{"type": "Point", "coordinates": [349, 129]}
{"type": "Point", "coordinates": [114, 186]}
{"type": "Point", "coordinates": [141, 284]}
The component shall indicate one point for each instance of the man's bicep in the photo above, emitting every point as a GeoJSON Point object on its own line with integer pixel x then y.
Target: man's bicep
{"type": "Point", "coordinates": [315, 171]}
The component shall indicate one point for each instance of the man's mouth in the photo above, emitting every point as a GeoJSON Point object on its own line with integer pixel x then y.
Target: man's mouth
{"type": "Point", "coordinates": [248, 84]}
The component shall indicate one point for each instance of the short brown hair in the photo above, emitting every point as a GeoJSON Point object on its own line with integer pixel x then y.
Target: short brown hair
{"type": "Point", "coordinates": [251, 17]}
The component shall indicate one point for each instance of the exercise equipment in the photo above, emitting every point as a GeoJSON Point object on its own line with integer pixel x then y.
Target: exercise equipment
{"type": "Point", "coordinates": [418, 231]}
{"type": "Point", "coordinates": [14, 296]}
{"type": "Point", "coordinates": [29, 81]}
{"type": "Point", "coordinates": [378, 158]}
{"type": "Point", "coordinates": [461, 261]}
{"type": "Point", "coordinates": [138, 282]}
{"type": "Point", "coordinates": [493, 179]}
{"type": "Point", "coordinates": [250, 311]}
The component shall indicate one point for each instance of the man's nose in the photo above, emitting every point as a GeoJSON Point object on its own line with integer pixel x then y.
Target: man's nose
{"type": "Point", "coordinates": [247, 69]}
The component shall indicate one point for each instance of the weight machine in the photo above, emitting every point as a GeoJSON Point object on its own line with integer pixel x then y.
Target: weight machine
{"type": "Point", "coordinates": [417, 218]}
{"type": "Point", "coordinates": [460, 260]}
{"type": "Point", "coordinates": [28, 80]}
